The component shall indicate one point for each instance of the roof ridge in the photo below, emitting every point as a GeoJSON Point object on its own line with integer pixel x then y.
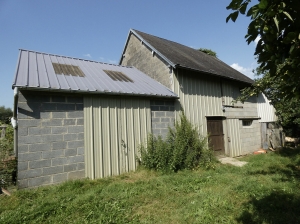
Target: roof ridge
{"type": "Point", "coordinates": [39, 52]}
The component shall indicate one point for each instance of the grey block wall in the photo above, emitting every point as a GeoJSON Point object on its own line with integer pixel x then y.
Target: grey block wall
{"type": "Point", "coordinates": [140, 56]}
{"type": "Point", "coordinates": [50, 138]}
{"type": "Point", "coordinates": [250, 137]}
{"type": "Point", "coordinates": [162, 116]}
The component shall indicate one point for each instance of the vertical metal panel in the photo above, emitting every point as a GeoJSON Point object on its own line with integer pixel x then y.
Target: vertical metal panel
{"type": "Point", "coordinates": [198, 98]}
{"type": "Point", "coordinates": [265, 110]}
{"type": "Point", "coordinates": [114, 128]}
{"type": "Point", "coordinates": [234, 136]}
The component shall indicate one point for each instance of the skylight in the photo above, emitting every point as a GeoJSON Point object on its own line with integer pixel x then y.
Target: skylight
{"type": "Point", "coordinates": [118, 76]}
{"type": "Point", "coordinates": [63, 69]}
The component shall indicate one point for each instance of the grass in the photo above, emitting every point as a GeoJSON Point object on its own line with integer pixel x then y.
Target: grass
{"type": "Point", "coordinates": [266, 190]}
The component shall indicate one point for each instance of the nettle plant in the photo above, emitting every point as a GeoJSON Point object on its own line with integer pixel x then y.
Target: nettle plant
{"type": "Point", "coordinates": [183, 148]}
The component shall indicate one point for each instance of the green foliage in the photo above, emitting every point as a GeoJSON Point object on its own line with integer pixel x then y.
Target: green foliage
{"type": "Point", "coordinates": [209, 52]}
{"type": "Point", "coordinates": [277, 24]}
{"type": "Point", "coordinates": [7, 164]}
{"type": "Point", "coordinates": [183, 148]}
{"type": "Point", "coordinates": [5, 115]}
{"type": "Point", "coordinates": [266, 190]}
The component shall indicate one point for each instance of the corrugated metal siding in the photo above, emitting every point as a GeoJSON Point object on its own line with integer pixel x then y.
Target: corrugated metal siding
{"type": "Point", "coordinates": [114, 128]}
{"type": "Point", "coordinates": [35, 71]}
{"type": "Point", "coordinates": [199, 98]}
{"type": "Point", "coordinates": [265, 110]}
{"type": "Point", "coordinates": [233, 132]}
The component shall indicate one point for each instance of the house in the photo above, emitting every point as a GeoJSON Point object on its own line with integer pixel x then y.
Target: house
{"type": "Point", "coordinates": [79, 118]}
{"type": "Point", "coordinates": [206, 87]}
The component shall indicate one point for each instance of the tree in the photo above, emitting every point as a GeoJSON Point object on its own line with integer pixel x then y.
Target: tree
{"type": "Point", "coordinates": [277, 24]}
{"type": "Point", "coordinates": [5, 114]}
{"type": "Point", "coordinates": [209, 52]}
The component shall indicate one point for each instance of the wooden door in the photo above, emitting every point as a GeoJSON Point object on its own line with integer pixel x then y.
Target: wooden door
{"type": "Point", "coordinates": [216, 134]}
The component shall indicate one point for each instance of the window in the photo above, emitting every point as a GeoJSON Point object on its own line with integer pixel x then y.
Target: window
{"type": "Point", "coordinates": [63, 69]}
{"type": "Point", "coordinates": [247, 123]}
{"type": "Point", "coordinates": [118, 76]}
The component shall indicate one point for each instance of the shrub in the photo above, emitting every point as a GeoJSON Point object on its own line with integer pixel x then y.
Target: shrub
{"type": "Point", "coordinates": [183, 148]}
{"type": "Point", "coordinates": [7, 161]}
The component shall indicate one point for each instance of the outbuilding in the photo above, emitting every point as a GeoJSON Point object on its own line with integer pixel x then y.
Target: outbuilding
{"type": "Point", "coordinates": [79, 118]}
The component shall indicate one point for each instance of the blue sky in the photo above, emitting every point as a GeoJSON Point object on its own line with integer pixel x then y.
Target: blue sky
{"type": "Point", "coordinates": [97, 30]}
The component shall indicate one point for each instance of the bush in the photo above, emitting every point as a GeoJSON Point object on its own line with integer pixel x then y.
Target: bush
{"type": "Point", "coordinates": [8, 163]}
{"type": "Point", "coordinates": [5, 114]}
{"type": "Point", "coordinates": [183, 148]}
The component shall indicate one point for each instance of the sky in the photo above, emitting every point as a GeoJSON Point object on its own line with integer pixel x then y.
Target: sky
{"type": "Point", "coordinates": [97, 30]}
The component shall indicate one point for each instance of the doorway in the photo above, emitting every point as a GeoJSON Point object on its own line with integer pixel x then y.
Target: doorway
{"type": "Point", "coordinates": [216, 134]}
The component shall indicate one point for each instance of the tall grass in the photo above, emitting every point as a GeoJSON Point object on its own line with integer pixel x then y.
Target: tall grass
{"type": "Point", "coordinates": [266, 190]}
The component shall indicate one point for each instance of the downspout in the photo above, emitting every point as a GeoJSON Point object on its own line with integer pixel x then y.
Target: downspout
{"type": "Point", "coordinates": [14, 120]}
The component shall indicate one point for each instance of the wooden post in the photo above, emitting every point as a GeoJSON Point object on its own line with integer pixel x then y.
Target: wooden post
{"type": "Point", "coordinates": [3, 131]}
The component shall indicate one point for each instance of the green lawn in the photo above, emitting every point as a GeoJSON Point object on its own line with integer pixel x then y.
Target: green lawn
{"type": "Point", "coordinates": [266, 190]}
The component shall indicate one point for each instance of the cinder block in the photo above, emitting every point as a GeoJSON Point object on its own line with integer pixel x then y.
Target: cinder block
{"type": "Point", "coordinates": [80, 151]}
{"type": "Point", "coordinates": [39, 147]}
{"type": "Point", "coordinates": [59, 161]}
{"type": "Point", "coordinates": [52, 138]}
{"type": "Point", "coordinates": [75, 114]}
{"type": "Point", "coordinates": [29, 156]}
{"type": "Point", "coordinates": [58, 178]}
{"type": "Point", "coordinates": [22, 148]}
{"type": "Point", "coordinates": [170, 114]}
{"type": "Point", "coordinates": [65, 106]}
{"type": "Point", "coordinates": [53, 170]}
{"type": "Point", "coordinates": [58, 98]}
{"type": "Point", "coordinates": [30, 139]}
{"type": "Point", "coordinates": [29, 174]}
{"type": "Point", "coordinates": [69, 121]}
{"type": "Point", "coordinates": [70, 152]}
{"type": "Point", "coordinates": [39, 164]}
{"type": "Point", "coordinates": [75, 144]}
{"type": "Point", "coordinates": [155, 120]}
{"type": "Point", "coordinates": [22, 166]}
{"type": "Point", "coordinates": [69, 168]}
{"type": "Point", "coordinates": [22, 183]}
{"type": "Point", "coordinates": [75, 129]}
{"type": "Point", "coordinates": [39, 181]}
{"type": "Point", "coordinates": [80, 166]}
{"type": "Point", "coordinates": [45, 115]}
{"type": "Point", "coordinates": [58, 114]}
{"type": "Point", "coordinates": [59, 145]}
{"type": "Point", "coordinates": [80, 121]}
{"type": "Point", "coordinates": [160, 114]}
{"type": "Point", "coordinates": [52, 122]}
{"type": "Point", "coordinates": [165, 119]}
{"type": "Point", "coordinates": [76, 159]}
{"type": "Point", "coordinates": [53, 154]}
{"type": "Point", "coordinates": [76, 175]}
{"type": "Point", "coordinates": [28, 123]}
{"type": "Point", "coordinates": [70, 137]}
{"type": "Point", "coordinates": [39, 130]}
{"type": "Point", "coordinates": [80, 136]}
{"type": "Point", "coordinates": [59, 130]}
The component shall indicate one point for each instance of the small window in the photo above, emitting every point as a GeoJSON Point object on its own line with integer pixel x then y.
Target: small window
{"type": "Point", "coordinates": [247, 123]}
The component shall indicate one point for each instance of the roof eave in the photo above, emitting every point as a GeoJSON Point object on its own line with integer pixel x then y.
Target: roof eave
{"type": "Point", "coordinates": [93, 92]}
{"type": "Point", "coordinates": [206, 72]}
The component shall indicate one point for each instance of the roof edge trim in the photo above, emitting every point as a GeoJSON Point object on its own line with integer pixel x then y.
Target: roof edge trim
{"type": "Point", "coordinates": [131, 31]}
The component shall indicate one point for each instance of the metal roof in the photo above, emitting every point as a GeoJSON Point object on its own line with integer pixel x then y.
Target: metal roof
{"type": "Point", "coordinates": [178, 55]}
{"type": "Point", "coordinates": [35, 70]}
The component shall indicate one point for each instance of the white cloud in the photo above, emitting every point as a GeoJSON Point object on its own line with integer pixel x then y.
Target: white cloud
{"type": "Point", "coordinates": [88, 55]}
{"type": "Point", "coordinates": [246, 71]}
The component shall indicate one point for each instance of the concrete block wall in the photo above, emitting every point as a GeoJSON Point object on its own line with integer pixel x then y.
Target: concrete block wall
{"type": "Point", "coordinates": [50, 138]}
{"type": "Point", "coordinates": [141, 57]}
{"type": "Point", "coordinates": [250, 137]}
{"type": "Point", "coordinates": [162, 116]}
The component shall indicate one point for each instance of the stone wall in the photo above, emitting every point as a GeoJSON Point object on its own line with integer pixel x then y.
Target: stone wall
{"type": "Point", "coordinates": [141, 57]}
{"type": "Point", "coordinates": [50, 138]}
{"type": "Point", "coordinates": [162, 116]}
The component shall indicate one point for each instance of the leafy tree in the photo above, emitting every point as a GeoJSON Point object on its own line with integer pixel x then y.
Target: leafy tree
{"type": "Point", "coordinates": [5, 114]}
{"type": "Point", "coordinates": [277, 24]}
{"type": "Point", "coordinates": [209, 52]}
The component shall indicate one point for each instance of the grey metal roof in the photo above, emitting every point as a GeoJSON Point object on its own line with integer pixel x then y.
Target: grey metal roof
{"type": "Point", "coordinates": [178, 55]}
{"type": "Point", "coordinates": [35, 71]}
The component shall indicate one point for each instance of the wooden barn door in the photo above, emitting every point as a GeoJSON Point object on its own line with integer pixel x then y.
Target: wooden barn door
{"type": "Point", "coordinates": [216, 134]}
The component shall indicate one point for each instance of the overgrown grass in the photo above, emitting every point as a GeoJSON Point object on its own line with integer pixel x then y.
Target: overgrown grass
{"type": "Point", "coordinates": [266, 190]}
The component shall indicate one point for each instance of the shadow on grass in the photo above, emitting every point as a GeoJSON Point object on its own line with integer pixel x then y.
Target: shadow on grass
{"type": "Point", "coordinates": [275, 208]}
